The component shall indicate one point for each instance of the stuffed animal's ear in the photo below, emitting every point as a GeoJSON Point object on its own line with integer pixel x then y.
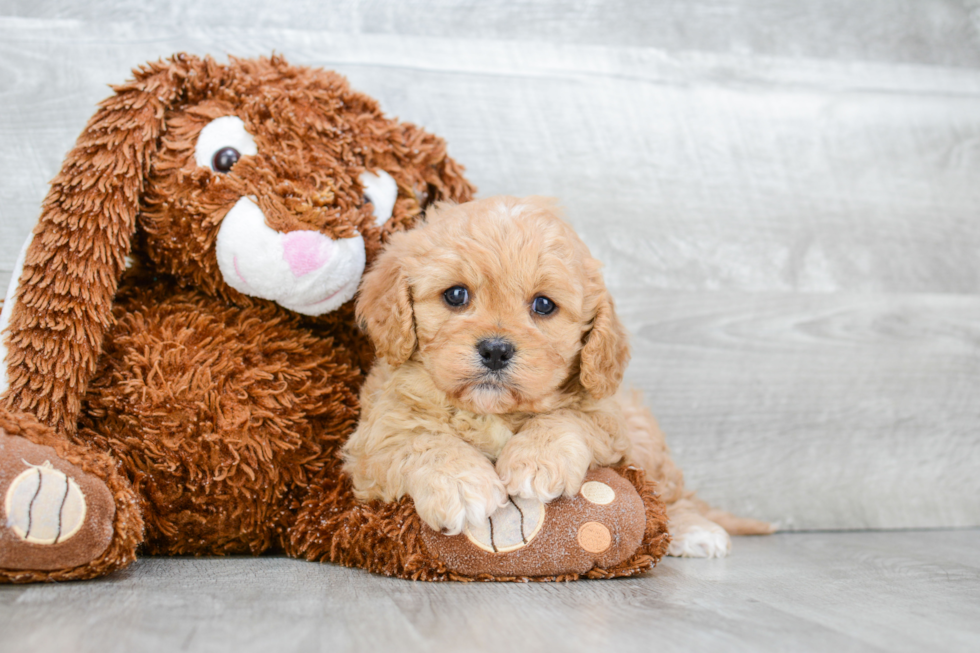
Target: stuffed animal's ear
{"type": "Point", "coordinates": [61, 304]}
{"type": "Point", "coordinates": [606, 352]}
{"type": "Point", "coordinates": [425, 153]}
{"type": "Point", "coordinates": [384, 308]}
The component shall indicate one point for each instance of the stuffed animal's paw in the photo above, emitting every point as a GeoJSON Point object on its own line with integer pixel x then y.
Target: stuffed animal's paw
{"type": "Point", "coordinates": [601, 526]}
{"type": "Point", "coordinates": [55, 516]}
{"type": "Point", "coordinates": [448, 503]}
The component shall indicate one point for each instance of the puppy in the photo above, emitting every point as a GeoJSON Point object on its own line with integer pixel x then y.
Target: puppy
{"type": "Point", "coordinates": [499, 358]}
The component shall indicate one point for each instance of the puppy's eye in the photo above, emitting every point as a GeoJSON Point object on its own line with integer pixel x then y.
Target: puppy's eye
{"type": "Point", "coordinates": [457, 296]}
{"type": "Point", "coordinates": [542, 305]}
{"type": "Point", "coordinates": [224, 159]}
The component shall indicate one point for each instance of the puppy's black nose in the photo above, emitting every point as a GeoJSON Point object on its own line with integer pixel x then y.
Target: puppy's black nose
{"type": "Point", "coordinates": [495, 353]}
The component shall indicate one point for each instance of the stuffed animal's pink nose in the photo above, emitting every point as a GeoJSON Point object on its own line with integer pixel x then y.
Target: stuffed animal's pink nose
{"type": "Point", "coordinates": [306, 251]}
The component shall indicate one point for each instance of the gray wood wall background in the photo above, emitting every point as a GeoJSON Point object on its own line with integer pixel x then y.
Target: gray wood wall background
{"type": "Point", "coordinates": [786, 193]}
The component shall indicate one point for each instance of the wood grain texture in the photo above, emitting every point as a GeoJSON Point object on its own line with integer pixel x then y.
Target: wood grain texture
{"type": "Point", "coordinates": [785, 193]}
{"type": "Point", "coordinates": [862, 408]}
{"type": "Point", "coordinates": [894, 591]}
{"type": "Point", "coordinates": [929, 32]}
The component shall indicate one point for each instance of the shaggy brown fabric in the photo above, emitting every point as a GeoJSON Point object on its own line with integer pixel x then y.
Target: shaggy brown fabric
{"type": "Point", "coordinates": [207, 413]}
{"type": "Point", "coordinates": [220, 416]}
{"type": "Point", "coordinates": [387, 538]}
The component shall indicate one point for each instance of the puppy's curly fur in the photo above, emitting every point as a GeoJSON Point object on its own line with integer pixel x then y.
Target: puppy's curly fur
{"type": "Point", "coordinates": [436, 416]}
{"type": "Point", "coordinates": [441, 423]}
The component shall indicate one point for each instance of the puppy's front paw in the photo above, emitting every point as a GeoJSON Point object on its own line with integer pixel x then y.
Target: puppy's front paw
{"type": "Point", "coordinates": [529, 470]}
{"type": "Point", "coordinates": [448, 502]}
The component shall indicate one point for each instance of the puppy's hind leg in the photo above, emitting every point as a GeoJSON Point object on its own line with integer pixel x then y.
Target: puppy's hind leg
{"type": "Point", "coordinates": [694, 536]}
{"type": "Point", "coordinates": [697, 530]}
{"type": "Point", "coordinates": [731, 523]}
{"type": "Point", "coordinates": [649, 449]}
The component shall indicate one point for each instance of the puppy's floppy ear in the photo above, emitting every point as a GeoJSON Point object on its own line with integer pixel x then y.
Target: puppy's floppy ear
{"type": "Point", "coordinates": [606, 351]}
{"type": "Point", "coordinates": [62, 304]}
{"type": "Point", "coordinates": [384, 307]}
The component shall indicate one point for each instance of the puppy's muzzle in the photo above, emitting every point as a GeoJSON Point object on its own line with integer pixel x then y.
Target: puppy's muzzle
{"type": "Point", "coordinates": [495, 353]}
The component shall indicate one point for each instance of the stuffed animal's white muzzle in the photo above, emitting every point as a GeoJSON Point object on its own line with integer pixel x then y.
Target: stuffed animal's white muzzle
{"type": "Point", "coordinates": [303, 271]}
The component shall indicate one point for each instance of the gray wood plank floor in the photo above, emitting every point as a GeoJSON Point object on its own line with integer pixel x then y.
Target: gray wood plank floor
{"type": "Point", "coordinates": [785, 193]}
{"type": "Point", "coordinates": [875, 591]}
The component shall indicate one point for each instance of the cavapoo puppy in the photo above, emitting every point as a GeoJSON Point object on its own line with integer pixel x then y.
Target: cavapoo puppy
{"type": "Point", "coordinates": [500, 356]}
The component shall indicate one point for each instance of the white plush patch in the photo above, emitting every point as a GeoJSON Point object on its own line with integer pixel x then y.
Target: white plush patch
{"type": "Point", "coordinates": [220, 133]}
{"type": "Point", "coordinates": [305, 272]}
{"type": "Point", "coordinates": [44, 506]}
{"type": "Point", "coordinates": [700, 542]}
{"type": "Point", "coordinates": [382, 190]}
{"type": "Point", "coordinates": [8, 308]}
{"type": "Point", "coordinates": [511, 527]}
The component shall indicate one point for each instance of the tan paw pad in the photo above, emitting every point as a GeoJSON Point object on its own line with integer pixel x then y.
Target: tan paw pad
{"type": "Point", "coordinates": [594, 537]}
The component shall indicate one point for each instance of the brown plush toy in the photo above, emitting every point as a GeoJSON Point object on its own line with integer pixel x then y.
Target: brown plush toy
{"type": "Point", "coordinates": [179, 362]}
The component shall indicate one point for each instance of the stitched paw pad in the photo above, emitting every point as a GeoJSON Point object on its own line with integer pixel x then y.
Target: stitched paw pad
{"type": "Point", "coordinates": [55, 516]}
{"type": "Point", "coordinates": [44, 505]}
{"type": "Point", "coordinates": [511, 527]}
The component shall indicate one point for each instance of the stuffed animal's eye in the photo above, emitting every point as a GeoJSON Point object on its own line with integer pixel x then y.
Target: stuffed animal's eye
{"type": "Point", "coordinates": [542, 305]}
{"type": "Point", "coordinates": [224, 159]}
{"type": "Point", "coordinates": [457, 296]}
{"type": "Point", "coordinates": [222, 142]}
